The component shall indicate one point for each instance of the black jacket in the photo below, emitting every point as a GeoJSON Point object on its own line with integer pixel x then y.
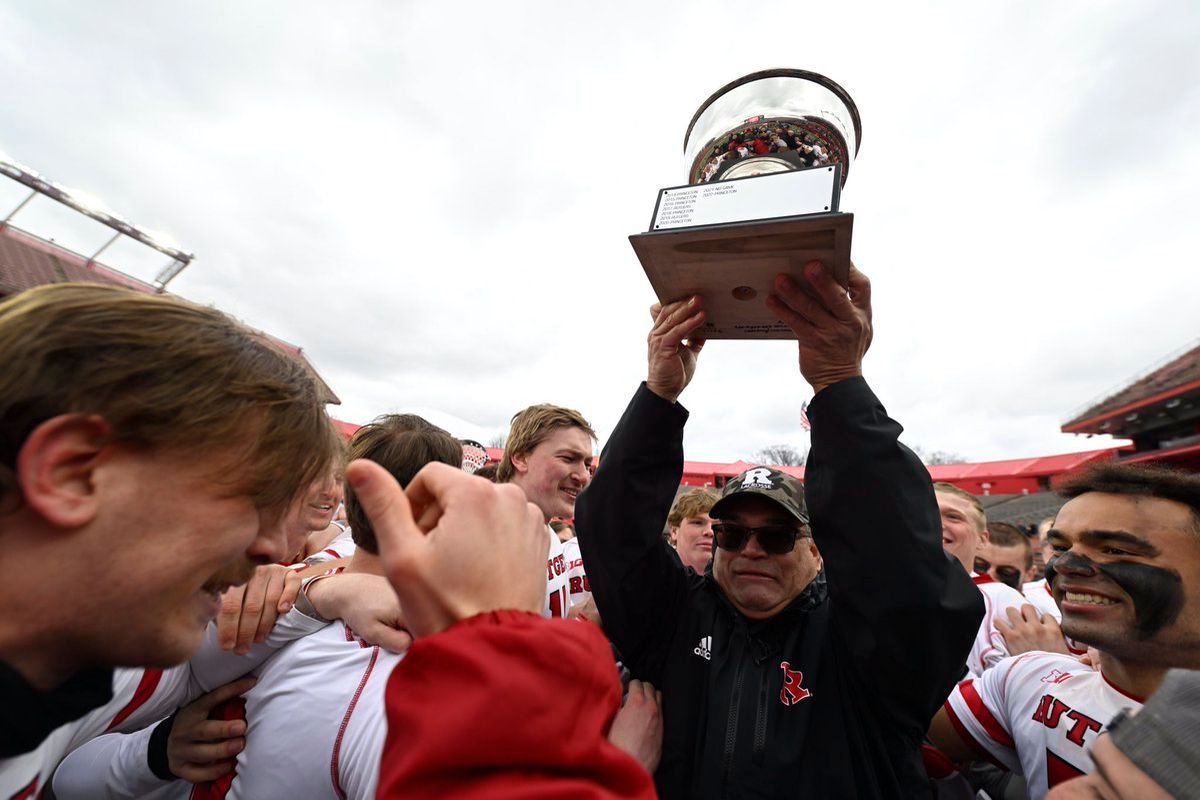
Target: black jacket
{"type": "Point", "coordinates": [28, 715]}
{"type": "Point", "coordinates": [878, 640]}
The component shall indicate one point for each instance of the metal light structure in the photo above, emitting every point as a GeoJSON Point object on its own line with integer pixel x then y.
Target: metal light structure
{"type": "Point", "coordinates": [93, 208]}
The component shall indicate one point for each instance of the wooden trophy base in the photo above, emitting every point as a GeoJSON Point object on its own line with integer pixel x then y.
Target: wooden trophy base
{"type": "Point", "coordinates": [733, 267]}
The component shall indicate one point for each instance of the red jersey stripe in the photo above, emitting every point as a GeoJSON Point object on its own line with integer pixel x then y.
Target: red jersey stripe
{"type": "Point", "coordinates": [337, 744]}
{"type": "Point", "coordinates": [141, 694]}
{"type": "Point", "coordinates": [983, 716]}
{"type": "Point", "coordinates": [1059, 770]}
{"type": "Point", "coordinates": [970, 740]}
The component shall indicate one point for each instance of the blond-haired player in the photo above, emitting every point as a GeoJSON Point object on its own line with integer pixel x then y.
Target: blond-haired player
{"type": "Point", "coordinates": [548, 454]}
{"type": "Point", "coordinates": [149, 441]}
{"type": "Point", "coordinates": [964, 529]}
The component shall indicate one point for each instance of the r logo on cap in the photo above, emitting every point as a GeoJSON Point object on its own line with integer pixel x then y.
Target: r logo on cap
{"type": "Point", "coordinates": [759, 478]}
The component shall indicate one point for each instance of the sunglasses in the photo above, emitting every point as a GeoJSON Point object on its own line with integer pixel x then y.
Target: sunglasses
{"type": "Point", "coordinates": [1008, 575]}
{"type": "Point", "coordinates": [774, 539]}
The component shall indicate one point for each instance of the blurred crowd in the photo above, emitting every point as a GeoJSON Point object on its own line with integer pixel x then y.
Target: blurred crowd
{"type": "Point", "coordinates": [761, 140]}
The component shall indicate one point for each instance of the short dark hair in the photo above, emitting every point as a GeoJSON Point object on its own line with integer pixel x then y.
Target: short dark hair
{"type": "Point", "coordinates": [487, 472]}
{"type": "Point", "coordinates": [1003, 534]}
{"type": "Point", "coordinates": [1137, 480]}
{"type": "Point", "coordinates": [402, 444]}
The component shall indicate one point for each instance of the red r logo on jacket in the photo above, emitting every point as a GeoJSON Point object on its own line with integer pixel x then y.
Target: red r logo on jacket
{"type": "Point", "coordinates": [792, 692]}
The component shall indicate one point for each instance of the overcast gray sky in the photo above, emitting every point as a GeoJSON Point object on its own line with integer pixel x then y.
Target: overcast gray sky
{"type": "Point", "coordinates": [434, 199]}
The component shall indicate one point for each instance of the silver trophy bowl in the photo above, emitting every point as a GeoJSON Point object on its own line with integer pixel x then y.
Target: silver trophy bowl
{"type": "Point", "coordinates": [772, 121]}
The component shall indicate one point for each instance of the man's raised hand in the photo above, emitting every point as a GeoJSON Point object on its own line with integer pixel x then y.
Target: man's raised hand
{"type": "Point", "coordinates": [454, 545]}
{"type": "Point", "coordinates": [672, 352]}
{"type": "Point", "coordinates": [834, 328]}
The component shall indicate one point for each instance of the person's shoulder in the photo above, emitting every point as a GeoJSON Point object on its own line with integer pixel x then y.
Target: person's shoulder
{"type": "Point", "coordinates": [327, 652]}
{"type": "Point", "coordinates": [1039, 667]}
{"type": "Point", "coordinates": [1014, 684]}
{"type": "Point", "coordinates": [1002, 595]}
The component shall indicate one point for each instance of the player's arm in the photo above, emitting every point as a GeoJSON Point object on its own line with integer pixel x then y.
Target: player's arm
{"type": "Point", "coordinates": [480, 657]}
{"type": "Point", "coordinates": [248, 612]}
{"type": "Point", "coordinates": [638, 584]}
{"type": "Point", "coordinates": [319, 567]}
{"type": "Point", "coordinates": [109, 767]}
{"type": "Point", "coordinates": [898, 599]}
{"type": "Point", "coordinates": [213, 666]}
{"type": "Point", "coordinates": [185, 746]}
{"type": "Point", "coordinates": [946, 738]}
{"type": "Point", "coordinates": [980, 718]}
{"type": "Point", "coordinates": [366, 603]}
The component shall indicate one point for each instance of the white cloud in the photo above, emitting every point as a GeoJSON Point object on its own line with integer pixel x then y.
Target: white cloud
{"type": "Point", "coordinates": [433, 201]}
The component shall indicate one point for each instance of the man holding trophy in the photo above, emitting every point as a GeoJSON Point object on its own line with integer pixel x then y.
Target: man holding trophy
{"type": "Point", "coordinates": [808, 659]}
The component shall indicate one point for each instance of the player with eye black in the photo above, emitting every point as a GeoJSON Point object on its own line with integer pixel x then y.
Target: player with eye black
{"type": "Point", "coordinates": [1125, 571]}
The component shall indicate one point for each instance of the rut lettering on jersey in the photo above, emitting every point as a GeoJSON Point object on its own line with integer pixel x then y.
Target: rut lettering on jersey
{"type": "Point", "coordinates": [1051, 711]}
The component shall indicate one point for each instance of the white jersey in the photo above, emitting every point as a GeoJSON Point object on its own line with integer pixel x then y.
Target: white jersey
{"type": "Point", "coordinates": [315, 728]}
{"type": "Point", "coordinates": [989, 647]}
{"type": "Point", "coordinates": [558, 599]}
{"type": "Point", "coordinates": [141, 697]}
{"type": "Point", "coordinates": [1037, 714]}
{"type": "Point", "coordinates": [577, 580]}
{"type": "Point", "coordinates": [1039, 596]}
{"type": "Point", "coordinates": [135, 702]}
{"type": "Point", "coordinates": [342, 546]}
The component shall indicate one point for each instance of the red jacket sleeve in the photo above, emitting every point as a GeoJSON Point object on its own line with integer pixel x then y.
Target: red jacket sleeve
{"type": "Point", "coordinates": [507, 705]}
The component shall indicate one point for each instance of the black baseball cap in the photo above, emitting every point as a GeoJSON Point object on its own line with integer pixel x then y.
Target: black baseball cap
{"type": "Point", "coordinates": [773, 484]}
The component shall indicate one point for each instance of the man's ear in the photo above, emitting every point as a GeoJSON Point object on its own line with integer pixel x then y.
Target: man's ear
{"type": "Point", "coordinates": [816, 553]}
{"type": "Point", "coordinates": [56, 468]}
{"type": "Point", "coordinates": [673, 535]}
{"type": "Point", "coordinates": [520, 462]}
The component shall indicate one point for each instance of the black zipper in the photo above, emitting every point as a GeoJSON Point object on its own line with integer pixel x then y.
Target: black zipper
{"type": "Point", "coordinates": [760, 719]}
{"type": "Point", "coordinates": [731, 726]}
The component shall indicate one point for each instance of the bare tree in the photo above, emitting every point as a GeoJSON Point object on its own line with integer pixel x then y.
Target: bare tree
{"type": "Point", "coordinates": [783, 455]}
{"type": "Point", "coordinates": [933, 458]}
{"type": "Point", "coordinates": [498, 441]}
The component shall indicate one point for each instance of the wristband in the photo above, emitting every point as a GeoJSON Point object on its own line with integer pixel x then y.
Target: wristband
{"type": "Point", "coordinates": [156, 750]}
{"type": "Point", "coordinates": [303, 604]}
